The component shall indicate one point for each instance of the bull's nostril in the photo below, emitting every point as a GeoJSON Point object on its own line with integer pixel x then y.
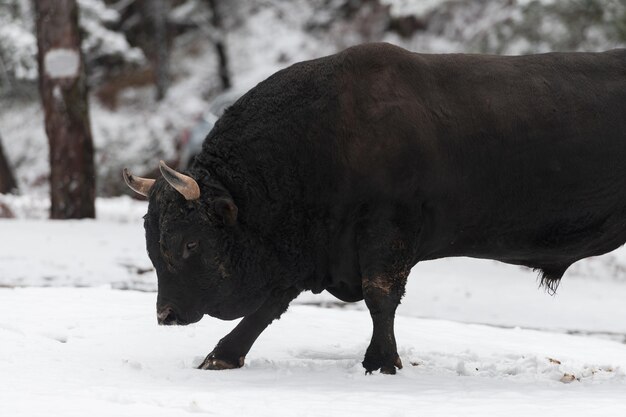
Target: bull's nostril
{"type": "Point", "coordinates": [170, 319]}
{"type": "Point", "coordinates": [167, 316]}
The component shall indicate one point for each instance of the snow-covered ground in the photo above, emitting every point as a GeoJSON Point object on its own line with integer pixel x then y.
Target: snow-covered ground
{"type": "Point", "coordinates": [99, 352]}
{"type": "Point", "coordinates": [476, 337]}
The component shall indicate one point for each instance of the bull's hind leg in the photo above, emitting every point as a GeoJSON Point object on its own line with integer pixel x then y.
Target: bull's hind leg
{"type": "Point", "coordinates": [231, 351]}
{"type": "Point", "coordinates": [382, 295]}
{"type": "Point", "coordinates": [383, 260]}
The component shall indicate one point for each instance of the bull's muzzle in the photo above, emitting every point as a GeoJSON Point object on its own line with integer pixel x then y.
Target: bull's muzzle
{"type": "Point", "coordinates": [166, 316]}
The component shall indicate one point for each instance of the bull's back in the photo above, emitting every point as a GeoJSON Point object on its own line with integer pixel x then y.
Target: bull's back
{"type": "Point", "coordinates": [510, 158]}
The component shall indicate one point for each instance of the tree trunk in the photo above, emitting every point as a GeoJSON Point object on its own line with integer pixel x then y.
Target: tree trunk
{"type": "Point", "coordinates": [7, 180]}
{"type": "Point", "coordinates": [157, 11]}
{"type": "Point", "coordinates": [220, 44]}
{"type": "Point", "coordinates": [64, 96]}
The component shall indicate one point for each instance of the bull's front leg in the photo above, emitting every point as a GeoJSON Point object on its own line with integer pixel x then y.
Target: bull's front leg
{"type": "Point", "coordinates": [231, 351]}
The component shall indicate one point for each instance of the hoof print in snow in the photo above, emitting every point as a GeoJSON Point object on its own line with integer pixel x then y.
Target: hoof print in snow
{"type": "Point", "coordinates": [555, 361]}
{"type": "Point", "coordinates": [567, 378]}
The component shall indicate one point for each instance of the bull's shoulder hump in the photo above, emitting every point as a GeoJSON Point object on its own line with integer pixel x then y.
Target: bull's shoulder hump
{"type": "Point", "coordinates": [619, 53]}
{"type": "Point", "coordinates": [377, 53]}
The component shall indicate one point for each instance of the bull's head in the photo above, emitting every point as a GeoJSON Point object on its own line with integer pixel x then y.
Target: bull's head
{"type": "Point", "coordinates": [192, 238]}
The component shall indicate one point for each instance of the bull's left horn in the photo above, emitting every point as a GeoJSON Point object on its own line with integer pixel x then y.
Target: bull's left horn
{"type": "Point", "coordinates": [184, 184]}
{"type": "Point", "coordinates": [137, 184]}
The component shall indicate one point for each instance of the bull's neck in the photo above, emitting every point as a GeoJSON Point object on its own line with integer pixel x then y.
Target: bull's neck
{"type": "Point", "coordinates": [268, 212]}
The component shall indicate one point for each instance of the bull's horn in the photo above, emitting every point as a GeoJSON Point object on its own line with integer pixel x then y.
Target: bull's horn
{"type": "Point", "coordinates": [184, 184]}
{"type": "Point", "coordinates": [137, 184]}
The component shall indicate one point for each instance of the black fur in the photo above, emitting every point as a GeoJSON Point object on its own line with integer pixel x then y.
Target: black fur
{"type": "Point", "coordinates": [346, 171]}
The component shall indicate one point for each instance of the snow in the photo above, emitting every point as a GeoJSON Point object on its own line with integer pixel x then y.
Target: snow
{"type": "Point", "coordinates": [96, 19]}
{"type": "Point", "coordinates": [99, 351]}
{"type": "Point", "coordinates": [476, 337]}
{"type": "Point", "coordinates": [412, 7]}
{"type": "Point", "coordinates": [18, 45]}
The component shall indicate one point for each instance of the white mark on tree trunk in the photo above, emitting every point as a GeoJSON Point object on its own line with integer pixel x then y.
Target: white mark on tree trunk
{"type": "Point", "coordinates": [61, 63]}
{"type": "Point", "coordinates": [58, 98]}
{"type": "Point", "coordinates": [56, 93]}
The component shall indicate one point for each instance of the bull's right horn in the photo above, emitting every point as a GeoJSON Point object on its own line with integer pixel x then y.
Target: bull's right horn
{"type": "Point", "coordinates": [182, 183]}
{"type": "Point", "coordinates": [137, 184]}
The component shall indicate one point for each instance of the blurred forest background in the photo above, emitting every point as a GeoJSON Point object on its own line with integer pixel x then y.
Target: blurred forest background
{"type": "Point", "coordinates": [153, 68]}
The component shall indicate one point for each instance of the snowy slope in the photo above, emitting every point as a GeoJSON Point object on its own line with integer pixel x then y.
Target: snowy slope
{"type": "Point", "coordinates": [99, 352]}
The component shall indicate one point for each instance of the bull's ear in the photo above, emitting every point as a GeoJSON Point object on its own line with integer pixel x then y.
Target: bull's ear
{"type": "Point", "coordinates": [227, 210]}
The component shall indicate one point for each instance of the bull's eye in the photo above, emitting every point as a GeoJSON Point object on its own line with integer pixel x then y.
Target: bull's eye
{"type": "Point", "coordinates": [189, 248]}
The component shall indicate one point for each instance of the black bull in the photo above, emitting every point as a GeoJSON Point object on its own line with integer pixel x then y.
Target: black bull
{"type": "Point", "coordinates": [341, 173]}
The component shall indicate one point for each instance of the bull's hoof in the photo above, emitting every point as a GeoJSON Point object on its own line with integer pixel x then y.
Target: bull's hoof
{"type": "Point", "coordinates": [387, 366]}
{"type": "Point", "coordinates": [213, 363]}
